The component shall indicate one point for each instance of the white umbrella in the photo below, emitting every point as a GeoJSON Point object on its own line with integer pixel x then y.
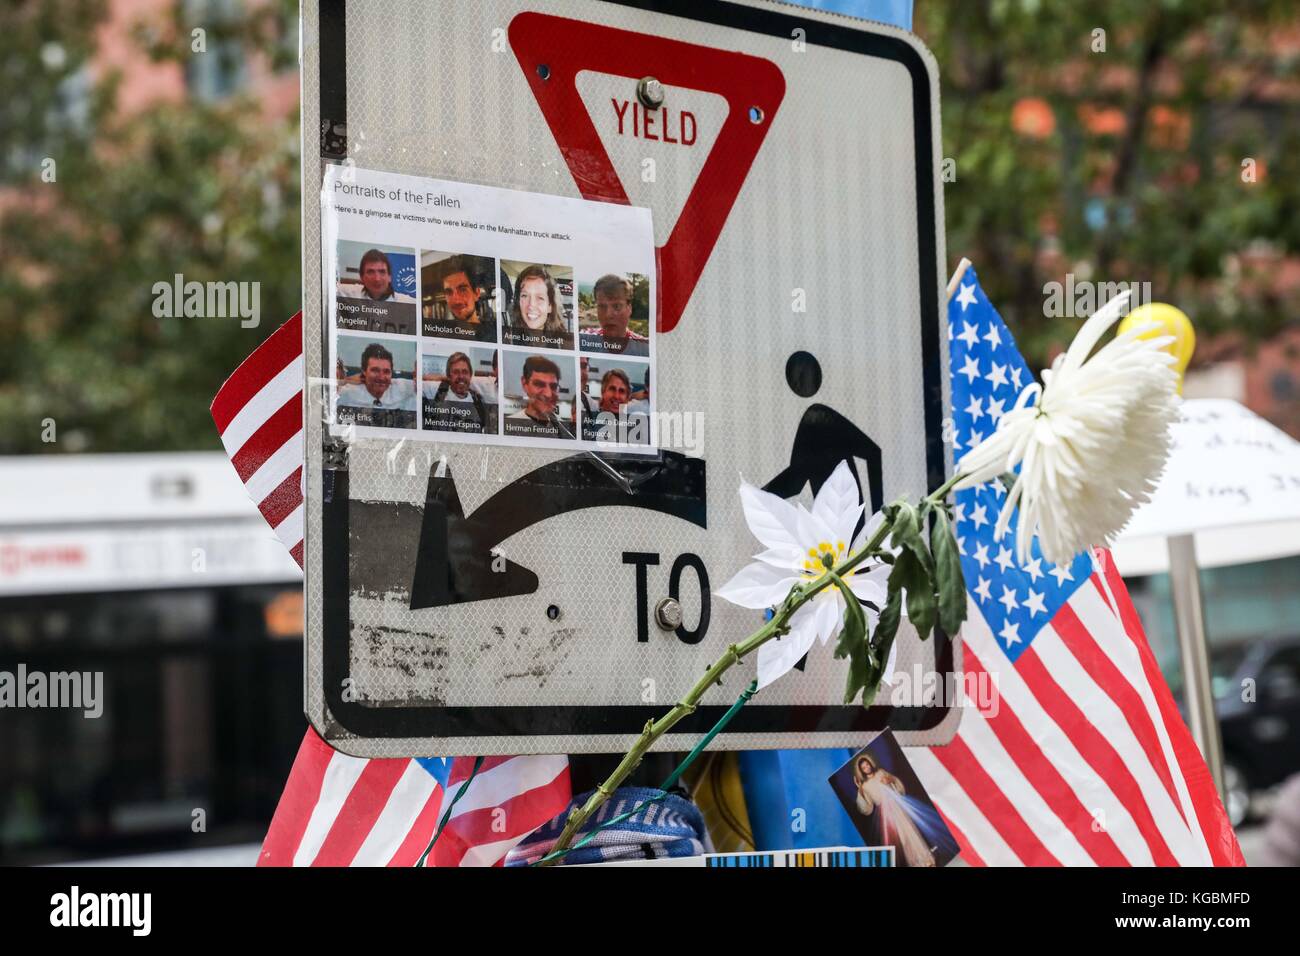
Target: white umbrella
{"type": "Point", "coordinates": [1230, 491]}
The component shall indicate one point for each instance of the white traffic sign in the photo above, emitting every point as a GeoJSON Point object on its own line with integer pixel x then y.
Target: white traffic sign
{"type": "Point", "coordinates": [570, 277]}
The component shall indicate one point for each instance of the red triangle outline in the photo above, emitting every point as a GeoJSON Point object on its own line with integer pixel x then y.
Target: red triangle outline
{"type": "Point", "coordinates": [567, 47]}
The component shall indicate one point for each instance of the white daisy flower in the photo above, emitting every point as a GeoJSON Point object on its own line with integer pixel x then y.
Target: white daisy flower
{"type": "Point", "coordinates": [798, 543]}
{"type": "Point", "coordinates": [1091, 448]}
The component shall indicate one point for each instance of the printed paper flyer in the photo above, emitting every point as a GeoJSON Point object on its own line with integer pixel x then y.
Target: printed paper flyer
{"type": "Point", "coordinates": [460, 312]}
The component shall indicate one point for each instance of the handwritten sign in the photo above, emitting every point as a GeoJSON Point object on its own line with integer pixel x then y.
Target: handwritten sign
{"type": "Point", "coordinates": [1228, 467]}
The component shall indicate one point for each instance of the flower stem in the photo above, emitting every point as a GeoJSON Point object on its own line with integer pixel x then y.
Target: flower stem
{"type": "Point", "coordinates": [778, 625]}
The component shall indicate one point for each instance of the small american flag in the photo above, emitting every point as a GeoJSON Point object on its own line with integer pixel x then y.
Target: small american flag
{"type": "Point", "coordinates": [338, 810]}
{"type": "Point", "coordinates": [1081, 757]}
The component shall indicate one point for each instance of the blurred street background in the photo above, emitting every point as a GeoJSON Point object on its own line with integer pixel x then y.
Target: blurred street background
{"type": "Point", "coordinates": [145, 139]}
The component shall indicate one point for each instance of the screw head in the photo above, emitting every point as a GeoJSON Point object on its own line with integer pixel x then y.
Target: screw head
{"type": "Point", "coordinates": [668, 614]}
{"type": "Point", "coordinates": [650, 92]}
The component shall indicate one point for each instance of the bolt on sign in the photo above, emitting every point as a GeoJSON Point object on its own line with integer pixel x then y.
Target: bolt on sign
{"type": "Point", "coordinates": [572, 277]}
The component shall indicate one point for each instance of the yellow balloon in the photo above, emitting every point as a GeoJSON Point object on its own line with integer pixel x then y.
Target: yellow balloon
{"type": "Point", "coordinates": [1160, 319]}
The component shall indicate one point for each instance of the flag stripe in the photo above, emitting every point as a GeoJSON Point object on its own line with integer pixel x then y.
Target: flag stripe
{"type": "Point", "coordinates": [1098, 613]}
{"type": "Point", "coordinates": [460, 772]}
{"type": "Point", "coordinates": [286, 386]}
{"type": "Point", "coordinates": [422, 831]}
{"type": "Point", "coordinates": [1094, 791]}
{"type": "Point", "coordinates": [407, 800]}
{"type": "Point", "coordinates": [269, 438]}
{"type": "Point", "coordinates": [1111, 722]}
{"type": "Point", "coordinates": [1096, 750]}
{"type": "Point", "coordinates": [981, 837]}
{"type": "Point", "coordinates": [493, 786]}
{"type": "Point", "coordinates": [1079, 641]}
{"type": "Point", "coordinates": [279, 466]}
{"type": "Point", "coordinates": [1047, 780]}
{"type": "Point", "coordinates": [539, 783]}
{"type": "Point", "coordinates": [281, 502]}
{"type": "Point", "coordinates": [360, 812]}
{"type": "Point", "coordinates": [985, 793]}
{"type": "Point", "coordinates": [289, 531]}
{"type": "Point", "coordinates": [340, 776]}
{"type": "Point", "coordinates": [967, 852]}
{"type": "Point", "coordinates": [280, 348]}
{"type": "Point", "coordinates": [301, 794]}
{"type": "Point", "coordinates": [1209, 810]}
{"type": "Point", "coordinates": [1038, 815]}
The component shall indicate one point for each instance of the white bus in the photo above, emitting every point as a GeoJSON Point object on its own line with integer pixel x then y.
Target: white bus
{"type": "Point", "coordinates": [157, 572]}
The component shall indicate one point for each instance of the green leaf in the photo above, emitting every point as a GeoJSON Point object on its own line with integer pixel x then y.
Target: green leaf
{"type": "Point", "coordinates": [859, 673]}
{"type": "Point", "coordinates": [950, 581]}
{"type": "Point", "coordinates": [878, 647]}
{"type": "Point", "coordinates": [887, 626]}
{"type": "Point", "coordinates": [854, 633]}
{"type": "Point", "coordinates": [911, 575]}
{"type": "Point", "coordinates": [907, 535]}
{"type": "Point", "coordinates": [852, 643]}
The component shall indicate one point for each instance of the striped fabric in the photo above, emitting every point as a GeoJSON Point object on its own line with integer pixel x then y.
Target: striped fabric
{"type": "Point", "coordinates": [258, 412]}
{"type": "Point", "coordinates": [338, 810]}
{"type": "Point", "coordinates": [1070, 750]}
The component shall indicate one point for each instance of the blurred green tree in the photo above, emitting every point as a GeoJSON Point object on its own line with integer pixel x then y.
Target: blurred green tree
{"type": "Point", "coordinates": [205, 188]}
{"type": "Point", "coordinates": [1108, 139]}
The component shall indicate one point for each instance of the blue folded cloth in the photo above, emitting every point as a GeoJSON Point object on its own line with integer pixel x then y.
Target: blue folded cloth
{"type": "Point", "coordinates": [669, 827]}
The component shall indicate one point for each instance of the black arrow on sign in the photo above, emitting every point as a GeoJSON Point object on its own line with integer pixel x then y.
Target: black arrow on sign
{"type": "Point", "coordinates": [456, 563]}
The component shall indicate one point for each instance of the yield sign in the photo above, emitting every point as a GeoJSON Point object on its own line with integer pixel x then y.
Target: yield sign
{"type": "Point", "coordinates": [553, 51]}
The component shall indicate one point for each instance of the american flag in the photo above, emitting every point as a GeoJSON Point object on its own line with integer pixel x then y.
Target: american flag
{"type": "Point", "coordinates": [1079, 755]}
{"type": "Point", "coordinates": [338, 810]}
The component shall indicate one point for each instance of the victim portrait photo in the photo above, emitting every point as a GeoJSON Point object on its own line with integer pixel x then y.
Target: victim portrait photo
{"type": "Point", "coordinates": [459, 388]}
{"type": "Point", "coordinates": [614, 399]}
{"type": "Point", "coordinates": [458, 292]}
{"type": "Point", "coordinates": [375, 288]}
{"type": "Point", "coordinates": [375, 381]}
{"type": "Point", "coordinates": [614, 314]}
{"type": "Point", "coordinates": [538, 307]}
{"type": "Point", "coordinates": [538, 391]}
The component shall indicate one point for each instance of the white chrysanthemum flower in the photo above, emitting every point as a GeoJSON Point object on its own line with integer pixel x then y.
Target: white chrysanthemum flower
{"type": "Point", "coordinates": [798, 541]}
{"type": "Point", "coordinates": [1091, 448]}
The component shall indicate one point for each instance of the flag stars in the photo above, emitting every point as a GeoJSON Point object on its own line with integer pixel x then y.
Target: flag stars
{"type": "Point", "coordinates": [997, 375]}
{"type": "Point", "coordinates": [969, 334]}
{"type": "Point", "coordinates": [1015, 376]}
{"type": "Point", "coordinates": [1034, 603]}
{"type": "Point", "coordinates": [1034, 569]}
{"type": "Point", "coordinates": [982, 590]}
{"type": "Point", "coordinates": [970, 368]}
{"type": "Point", "coordinates": [975, 409]}
{"type": "Point", "coordinates": [1062, 574]}
{"type": "Point", "coordinates": [1008, 599]}
{"type": "Point", "coordinates": [961, 546]}
{"type": "Point", "coordinates": [974, 439]}
{"type": "Point", "coordinates": [982, 555]}
{"type": "Point", "coordinates": [966, 296]}
{"type": "Point", "coordinates": [1004, 559]}
{"type": "Point", "coordinates": [992, 336]}
{"type": "Point", "coordinates": [1010, 633]}
{"type": "Point", "coordinates": [959, 511]}
{"type": "Point", "coordinates": [979, 517]}
{"type": "Point", "coordinates": [995, 411]}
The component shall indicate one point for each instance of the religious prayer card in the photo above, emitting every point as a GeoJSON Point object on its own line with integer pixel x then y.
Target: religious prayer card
{"type": "Point", "coordinates": [889, 807]}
